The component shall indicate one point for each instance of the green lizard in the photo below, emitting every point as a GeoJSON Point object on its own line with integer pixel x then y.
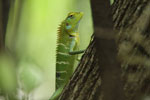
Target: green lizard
{"type": "Point", "coordinates": [68, 41]}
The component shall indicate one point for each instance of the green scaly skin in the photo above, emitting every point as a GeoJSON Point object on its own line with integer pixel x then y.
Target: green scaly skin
{"type": "Point", "coordinates": [68, 41]}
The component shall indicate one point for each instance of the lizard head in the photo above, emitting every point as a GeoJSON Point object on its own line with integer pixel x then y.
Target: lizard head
{"type": "Point", "coordinates": [72, 20]}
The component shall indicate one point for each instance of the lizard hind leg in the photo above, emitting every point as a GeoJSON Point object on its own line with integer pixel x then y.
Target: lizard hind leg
{"type": "Point", "coordinates": [57, 93]}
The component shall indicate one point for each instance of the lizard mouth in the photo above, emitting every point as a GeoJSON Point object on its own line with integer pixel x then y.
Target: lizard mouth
{"type": "Point", "coordinates": [71, 36]}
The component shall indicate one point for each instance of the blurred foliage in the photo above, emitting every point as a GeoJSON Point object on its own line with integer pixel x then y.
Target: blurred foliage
{"type": "Point", "coordinates": [8, 79]}
{"type": "Point", "coordinates": [30, 75]}
{"type": "Point", "coordinates": [31, 39]}
{"type": "Point", "coordinates": [111, 2]}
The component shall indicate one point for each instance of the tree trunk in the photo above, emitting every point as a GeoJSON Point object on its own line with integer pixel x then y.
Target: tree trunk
{"type": "Point", "coordinates": [99, 76]}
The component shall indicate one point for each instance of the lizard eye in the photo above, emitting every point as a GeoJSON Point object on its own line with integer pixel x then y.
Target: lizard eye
{"type": "Point", "coordinates": [70, 16]}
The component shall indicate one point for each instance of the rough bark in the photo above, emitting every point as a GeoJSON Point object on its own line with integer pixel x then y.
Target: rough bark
{"type": "Point", "coordinates": [99, 76]}
{"type": "Point", "coordinates": [132, 18]}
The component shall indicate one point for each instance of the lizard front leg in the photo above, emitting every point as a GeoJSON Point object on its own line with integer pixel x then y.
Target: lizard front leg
{"type": "Point", "coordinates": [73, 45]}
